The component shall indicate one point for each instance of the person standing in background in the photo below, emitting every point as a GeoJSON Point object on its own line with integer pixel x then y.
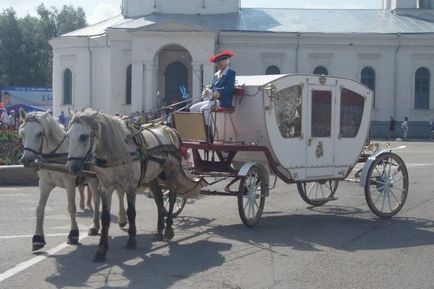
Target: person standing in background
{"type": "Point", "coordinates": [404, 128]}
{"type": "Point", "coordinates": [392, 127]}
{"type": "Point", "coordinates": [62, 118]}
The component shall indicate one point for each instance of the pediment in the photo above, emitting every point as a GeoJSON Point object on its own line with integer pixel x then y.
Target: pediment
{"type": "Point", "coordinates": [173, 26]}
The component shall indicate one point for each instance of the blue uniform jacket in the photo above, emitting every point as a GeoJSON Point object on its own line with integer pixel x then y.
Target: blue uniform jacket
{"type": "Point", "coordinates": [225, 86]}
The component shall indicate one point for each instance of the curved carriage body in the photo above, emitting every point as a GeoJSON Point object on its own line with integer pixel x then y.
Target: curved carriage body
{"type": "Point", "coordinates": [310, 130]}
{"type": "Point", "coordinates": [313, 126]}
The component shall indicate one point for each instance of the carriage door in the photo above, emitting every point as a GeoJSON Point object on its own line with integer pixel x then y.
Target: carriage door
{"type": "Point", "coordinates": [321, 132]}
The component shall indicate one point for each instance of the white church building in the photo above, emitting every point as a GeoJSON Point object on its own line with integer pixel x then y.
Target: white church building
{"type": "Point", "coordinates": [138, 60]}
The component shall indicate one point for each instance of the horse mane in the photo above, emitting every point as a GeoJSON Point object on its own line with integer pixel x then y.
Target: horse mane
{"type": "Point", "coordinates": [111, 133]}
{"type": "Point", "coordinates": [52, 129]}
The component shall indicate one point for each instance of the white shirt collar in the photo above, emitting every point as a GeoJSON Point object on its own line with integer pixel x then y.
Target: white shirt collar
{"type": "Point", "coordinates": [221, 73]}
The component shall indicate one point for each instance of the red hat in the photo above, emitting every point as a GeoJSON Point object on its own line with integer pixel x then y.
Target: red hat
{"type": "Point", "coordinates": [223, 55]}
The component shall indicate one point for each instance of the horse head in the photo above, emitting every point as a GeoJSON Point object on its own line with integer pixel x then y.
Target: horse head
{"type": "Point", "coordinates": [95, 136]}
{"type": "Point", "coordinates": [81, 133]}
{"type": "Point", "coordinates": [32, 136]}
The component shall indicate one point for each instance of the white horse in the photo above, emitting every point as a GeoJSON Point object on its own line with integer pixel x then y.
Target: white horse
{"type": "Point", "coordinates": [126, 160]}
{"type": "Point", "coordinates": [44, 139]}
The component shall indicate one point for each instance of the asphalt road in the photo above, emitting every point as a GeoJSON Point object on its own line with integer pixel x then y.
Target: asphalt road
{"type": "Point", "coordinates": [340, 245]}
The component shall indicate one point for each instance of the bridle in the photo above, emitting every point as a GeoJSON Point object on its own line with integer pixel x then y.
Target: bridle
{"type": "Point", "coordinates": [39, 153]}
{"type": "Point", "coordinates": [87, 158]}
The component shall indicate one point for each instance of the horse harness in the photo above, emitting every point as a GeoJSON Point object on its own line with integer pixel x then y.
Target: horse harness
{"type": "Point", "coordinates": [51, 157]}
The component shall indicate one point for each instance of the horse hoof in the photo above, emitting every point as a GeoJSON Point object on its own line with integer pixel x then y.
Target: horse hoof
{"type": "Point", "coordinates": [38, 242]}
{"type": "Point", "coordinates": [72, 241]}
{"type": "Point", "coordinates": [157, 237]}
{"type": "Point", "coordinates": [36, 247]}
{"type": "Point", "coordinates": [73, 237]}
{"type": "Point", "coordinates": [132, 243]}
{"type": "Point", "coordinates": [123, 224]}
{"type": "Point", "coordinates": [168, 234]}
{"type": "Point", "coordinates": [93, 232]}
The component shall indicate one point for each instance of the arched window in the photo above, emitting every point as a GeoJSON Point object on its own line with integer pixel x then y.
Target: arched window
{"type": "Point", "coordinates": [321, 70]}
{"type": "Point", "coordinates": [421, 88]}
{"type": "Point", "coordinates": [128, 85]}
{"type": "Point", "coordinates": [272, 69]}
{"type": "Point", "coordinates": [67, 87]}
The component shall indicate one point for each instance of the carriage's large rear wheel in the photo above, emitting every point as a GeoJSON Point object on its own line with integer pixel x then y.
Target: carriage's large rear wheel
{"type": "Point", "coordinates": [386, 185]}
{"type": "Point", "coordinates": [317, 193]}
{"type": "Point", "coordinates": [177, 208]}
{"type": "Point", "coordinates": [251, 196]}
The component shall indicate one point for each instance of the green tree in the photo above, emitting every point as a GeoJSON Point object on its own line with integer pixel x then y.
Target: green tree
{"type": "Point", "coordinates": [25, 54]}
{"type": "Point", "coordinates": [10, 48]}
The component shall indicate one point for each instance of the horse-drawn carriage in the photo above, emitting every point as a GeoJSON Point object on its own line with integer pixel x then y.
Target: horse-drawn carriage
{"type": "Point", "coordinates": [309, 130]}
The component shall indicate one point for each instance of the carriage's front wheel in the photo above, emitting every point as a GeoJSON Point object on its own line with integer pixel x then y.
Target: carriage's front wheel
{"type": "Point", "coordinates": [317, 193]}
{"type": "Point", "coordinates": [251, 196]}
{"type": "Point", "coordinates": [177, 208]}
{"type": "Point", "coordinates": [386, 185]}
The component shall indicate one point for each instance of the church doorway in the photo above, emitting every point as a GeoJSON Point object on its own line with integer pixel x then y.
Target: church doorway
{"type": "Point", "coordinates": [174, 81]}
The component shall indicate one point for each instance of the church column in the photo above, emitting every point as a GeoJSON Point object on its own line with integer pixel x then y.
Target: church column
{"type": "Point", "coordinates": [208, 72]}
{"type": "Point", "coordinates": [196, 86]}
{"type": "Point", "coordinates": [137, 86]}
{"type": "Point", "coordinates": [150, 97]}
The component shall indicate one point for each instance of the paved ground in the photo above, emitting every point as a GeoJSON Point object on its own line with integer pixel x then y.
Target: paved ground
{"type": "Point", "coordinates": [340, 245]}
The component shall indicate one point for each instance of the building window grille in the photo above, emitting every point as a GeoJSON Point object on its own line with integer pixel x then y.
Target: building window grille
{"type": "Point", "coordinates": [367, 77]}
{"type": "Point", "coordinates": [128, 84]}
{"type": "Point", "coordinates": [67, 87]}
{"type": "Point", "coordinates": [421, 88]}
{"type": "Point", "coordinates": [272, 69]}
{"type": "Point", "coordinates": [321, 70]}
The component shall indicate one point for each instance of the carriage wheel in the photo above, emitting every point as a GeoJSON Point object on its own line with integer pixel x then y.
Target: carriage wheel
{"type": "Point", "coordinates": [317, 193]}
{"type": "Point", "coordinates": [177, 208]}
{"type": "Point", "coordinates": [251, 196]}
{"type": "Point", "coordinates": [386, 185]}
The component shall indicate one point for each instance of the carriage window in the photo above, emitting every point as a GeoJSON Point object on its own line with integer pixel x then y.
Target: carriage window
{"type": "Point", "coordinates": [288, 111]}
{"type": "Point", "coordinates": [321, 113]}
{"type": "Point", "coordinates": [351, 113]}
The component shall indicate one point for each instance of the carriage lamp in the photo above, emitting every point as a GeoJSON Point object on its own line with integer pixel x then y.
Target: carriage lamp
{"type": "Point", "coordinates": [270, 90]}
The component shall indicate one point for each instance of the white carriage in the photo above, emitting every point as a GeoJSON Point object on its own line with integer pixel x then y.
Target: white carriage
{"type": "Point", "coordinates": [310, 130]}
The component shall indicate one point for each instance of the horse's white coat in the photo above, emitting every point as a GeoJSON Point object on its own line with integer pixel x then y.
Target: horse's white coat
{"type": "Point", "coordinates": [42, 133]}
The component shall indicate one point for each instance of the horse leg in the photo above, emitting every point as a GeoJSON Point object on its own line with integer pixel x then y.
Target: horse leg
{"type": "Point", "coordinates": [158, 198]}
{"type": "Point", "coordinates": [103, 245]}
{"type": "Point", "coordinates": [73, 232]}
{"type": "Point", "coordinates": [131, 212]}
{"type": "Point", "coordinates": [94, 228]}
{"type": "Point", "coordinates": [168, 232]}
{"type": "Point", "coordinates": [38, 240]}
{"type": "Point", "coordinates": [122, 215]}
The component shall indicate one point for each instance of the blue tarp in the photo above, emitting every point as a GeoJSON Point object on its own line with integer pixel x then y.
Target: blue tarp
{"type": "Point", "coordinates": [26, 107]}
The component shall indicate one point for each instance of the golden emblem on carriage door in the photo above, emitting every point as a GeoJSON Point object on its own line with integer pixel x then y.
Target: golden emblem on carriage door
{"type": "Point", "coordinates": [319, 152]}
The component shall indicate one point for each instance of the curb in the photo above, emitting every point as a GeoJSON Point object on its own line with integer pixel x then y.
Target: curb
{"type": "Point", "coordinates": [18, 175]}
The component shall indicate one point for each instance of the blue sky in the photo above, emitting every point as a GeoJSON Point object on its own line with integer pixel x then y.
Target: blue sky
{"type": "Point", "coordinates": [97, 10]}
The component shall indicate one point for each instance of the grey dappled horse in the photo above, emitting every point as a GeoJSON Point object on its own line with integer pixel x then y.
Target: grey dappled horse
{"type": "Point", "coordinates": [126, 160]}
{"type": "Point", "coordinates": [44, 140]}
